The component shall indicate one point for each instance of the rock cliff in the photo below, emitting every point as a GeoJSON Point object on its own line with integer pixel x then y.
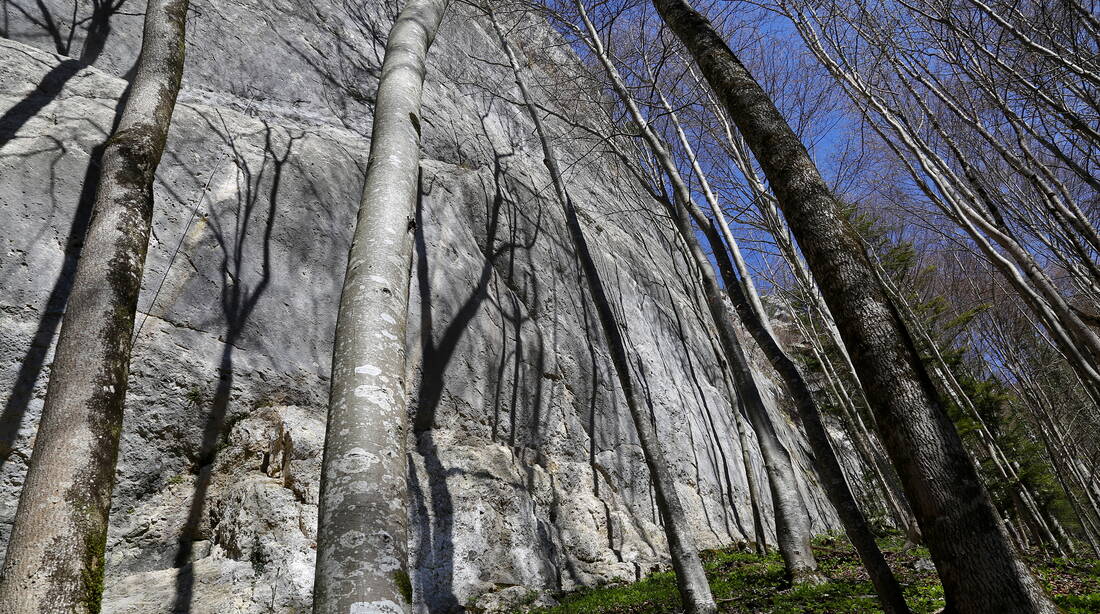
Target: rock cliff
{"type": "Point", "coordinates": [525, 470]}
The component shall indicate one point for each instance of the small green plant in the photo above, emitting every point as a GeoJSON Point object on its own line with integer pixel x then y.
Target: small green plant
{"type": "Point", "coordinates": [179, 478]}
{"type": "Point", "coordinates": [194, 396]}
{"type": "Point", "coordinates": [404, 584]}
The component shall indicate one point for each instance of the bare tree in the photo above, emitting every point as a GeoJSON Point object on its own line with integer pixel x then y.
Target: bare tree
{"type": "Point", "coordinates": [732, 145]}
{"type": "Point", "coordinates": [690, 577]}
{"type": "Point", "coordinates": [996, 129]}
{"type": "Point", "coordinates": [978, 567]}
{"type": "Point", "coordinates": [746, 300]}
{"type": "Point", "coordinates": [55, 557]}
{"type": "Point", "coordinates": [792, 517]}
{"type": "Point", "coordinates": [362, 562]}
{"type": "Point", "coordinates": [998, 134]}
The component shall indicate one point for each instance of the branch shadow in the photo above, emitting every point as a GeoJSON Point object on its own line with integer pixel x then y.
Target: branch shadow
{"type": "Point", "coordinates": [436, 549]}
{"type": "Point", "coordinates": [34, 359]}
{"type": "Point", "coordinates": [51, 85]}
{"type": "Point", "coordinates": [231, 229]}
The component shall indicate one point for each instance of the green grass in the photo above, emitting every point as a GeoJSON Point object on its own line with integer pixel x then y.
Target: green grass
{"type": "Point", "coordinates": [749, 583]}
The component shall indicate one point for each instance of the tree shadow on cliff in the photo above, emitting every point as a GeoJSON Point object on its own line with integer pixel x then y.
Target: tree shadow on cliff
{"type": "Point", "coordinates": [34, 359]}
{"type": "Point", "coordinates": [436, 548]}
{"type": "Point", "coordinates": [62, 31]}
{"type": "Point", "coordinates": [354, 67]}
{"type": "Point", "coordinates": [98, 25]}
{"type": "Point", "coordinates": [231, 228]}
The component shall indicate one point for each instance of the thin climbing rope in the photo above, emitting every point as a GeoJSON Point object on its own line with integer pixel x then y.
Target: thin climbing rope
{"type": "Point", "coordinates": [183, 236]}
{"type": "Point", "coordinates": [179, 244]}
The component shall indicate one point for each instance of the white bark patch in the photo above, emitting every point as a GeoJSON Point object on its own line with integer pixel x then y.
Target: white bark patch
{"type": "Point", "coordinates": [370, 370]}
{"type": "Point", "coordinates": [372, 394]}
{"type": "Point", "coordinates": [386, 565]}
{"type": "Point", "coordinates": [352, 539]}
{"type": "Point", "coordinates": [357, 460]}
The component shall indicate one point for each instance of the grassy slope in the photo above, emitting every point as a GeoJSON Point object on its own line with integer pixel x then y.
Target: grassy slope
{"type": "Point", "coordinates": [744, 582]}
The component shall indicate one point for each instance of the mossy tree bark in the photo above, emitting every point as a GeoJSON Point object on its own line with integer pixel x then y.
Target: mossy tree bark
{"type": "Point", "coordinates": [977, 565]}
{"type": "Point", "coordinates": [55, 557]}
{"type": "Point", "coordinates": [362, 561]}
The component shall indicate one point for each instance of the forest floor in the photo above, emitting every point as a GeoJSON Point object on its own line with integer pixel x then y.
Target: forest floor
{"type": "Point", "coordinates": [749, 583]}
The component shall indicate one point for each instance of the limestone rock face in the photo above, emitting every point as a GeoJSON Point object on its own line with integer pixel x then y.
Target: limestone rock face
{"type": "Point", "coordinates": [526, 477]}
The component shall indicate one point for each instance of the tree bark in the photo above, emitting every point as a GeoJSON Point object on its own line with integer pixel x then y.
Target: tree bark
{"type": "Point", "coordinates": [1029, 512]}
{"type": "Point", "coordinates": [55, 556]}
{"type": "Point", "coordinates": [690, 576]}
{"type": "Point", "coordinates": [362, 562]}
{"type": "Point", "coordinates": [977, 565]}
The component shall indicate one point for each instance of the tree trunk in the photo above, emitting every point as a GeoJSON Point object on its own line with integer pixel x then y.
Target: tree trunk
{"type": "Point", "coordinates": [765, 203]}
{"type": "Point", "coordinates": [791, 517]}
{"type": "Point", "coordinates": [690, 576]}
{"type": "Point", "coordinates": [1029, 513]}
{"type": "Point", "coordinates": [760, 546]}
{"type": "Point", "coordinates": [825, 460]}
{"type": "Point", "coordinates": [746, 300]}
{"type": "Point", "coordinates": [871, 456]}
{"type": "Point", "coordinates": [978, 567]}
{"type": "Point", "coordinates": [55, 557]}
{"type": "Point", "coordinates": [362, 562]}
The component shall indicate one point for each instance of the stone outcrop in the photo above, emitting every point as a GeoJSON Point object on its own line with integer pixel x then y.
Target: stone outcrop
{"type": "Point", "coordinates": [526, 475]}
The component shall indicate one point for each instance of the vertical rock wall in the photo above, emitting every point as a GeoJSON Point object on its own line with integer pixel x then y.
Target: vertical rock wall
{"type": "Point", "coordinates": [525, 467]}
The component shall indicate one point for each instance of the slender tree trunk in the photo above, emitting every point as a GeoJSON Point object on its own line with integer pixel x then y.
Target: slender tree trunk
{"type": "Point", "coordinates": [362, 562]}
{"type": "Point", "coordinates": [871, 457]}
{"type": "Point", "coordinates": [1087, 514]}
{"type": "Point", "coordinates": [979, 569]}
{"type": "Point", "coordinates": [765, 201]}
{"type": "Point", "coordinates": [761, 544]}
{"type": "Point", "coordinates": [1083, 516]}
{"type": "Point", "coordinates": [825, 461]}
{"type": "Point", "coordinates": [746, 300]}
{"type": "Point", "coordinates": [55, 557]}
{"type": "Point", "coordinates": [791, 517]}
{"type": "Point", "coordinates": [690, 576]}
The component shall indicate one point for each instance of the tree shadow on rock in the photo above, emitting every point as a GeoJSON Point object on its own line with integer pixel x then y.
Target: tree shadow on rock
{"type": "Point", "coordinates": [98, 26]}
{"type": "Point", "coordinates": [231, 228]}
{"type": "Point", "coordinates": [34, 359]}
{"type": "Point", "coordinates": [436, 548]}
